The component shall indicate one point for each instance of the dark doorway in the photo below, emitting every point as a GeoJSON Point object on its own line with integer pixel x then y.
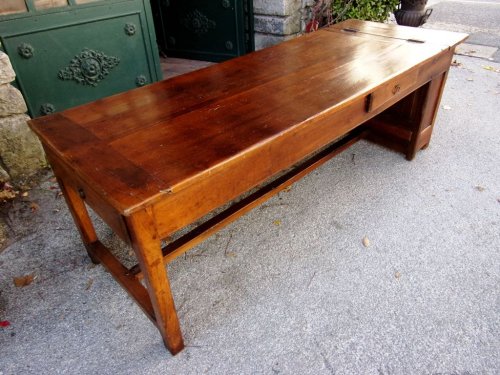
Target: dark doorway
{"type": "Point", "coordinates": [214, 30]}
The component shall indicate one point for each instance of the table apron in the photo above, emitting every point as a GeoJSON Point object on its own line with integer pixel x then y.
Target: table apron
{"type": "Point", "coordinates": [186, 206]}
{"type": "Point", "coordinates": [92, 198]}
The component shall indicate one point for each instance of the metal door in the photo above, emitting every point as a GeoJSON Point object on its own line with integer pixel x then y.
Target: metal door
{"type": "Point", "coordinates": [79, 51]}
{"type": "Point", "coordinates": [213, 30]}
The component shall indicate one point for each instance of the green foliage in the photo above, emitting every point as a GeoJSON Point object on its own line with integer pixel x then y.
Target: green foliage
{"type": "Point", "coordinates": [372, 10]}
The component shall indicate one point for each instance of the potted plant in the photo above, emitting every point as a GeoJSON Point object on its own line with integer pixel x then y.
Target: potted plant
{"type": "Point", "coordinates": [412, 13]}
{"type": "Point", "coordinates": [327, 12]}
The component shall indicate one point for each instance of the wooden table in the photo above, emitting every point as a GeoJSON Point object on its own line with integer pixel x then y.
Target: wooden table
{"type": "Point", "coordinates": [154, 160]}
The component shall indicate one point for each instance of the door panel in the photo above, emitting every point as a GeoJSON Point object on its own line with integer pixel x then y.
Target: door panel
{"type": "Point", "coordinates": [207, 30]}
{"type": "Point", "coordinates": [75, 55]}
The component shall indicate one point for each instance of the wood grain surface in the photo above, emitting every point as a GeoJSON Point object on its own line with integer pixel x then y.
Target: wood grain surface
{"type": "Point", "coordinates": [137, 146]}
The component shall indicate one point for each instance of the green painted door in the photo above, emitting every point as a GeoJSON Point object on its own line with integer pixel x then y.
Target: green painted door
{"type": "Point", "coordinates": [80, 51]}
{"type": "Point", "coordinates": [213, 30]}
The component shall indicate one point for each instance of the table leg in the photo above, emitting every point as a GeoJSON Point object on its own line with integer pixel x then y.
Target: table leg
{"type": "Point", "coordinates": [426, 116]}
{"type": "Point", "coordinates": [80, 215]}
{"type": "Point", "coordinates": [147, 246]}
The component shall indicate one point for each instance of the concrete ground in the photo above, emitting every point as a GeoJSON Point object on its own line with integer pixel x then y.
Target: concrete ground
{"type": "Point", "coordinates": [290, 288]}
{"type": "Point", "coordinates": [479, 18]}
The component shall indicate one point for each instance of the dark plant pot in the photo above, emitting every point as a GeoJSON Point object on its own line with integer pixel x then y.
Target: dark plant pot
{"type": "Point", "coordinates": [413, 18]}
{"type": "Point", "coordinates": [413, 4]}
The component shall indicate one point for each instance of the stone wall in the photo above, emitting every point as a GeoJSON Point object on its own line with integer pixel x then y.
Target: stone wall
{"type": "Point", "coordinates": [279, 20]}
{"type": "Point", "coordinates": [21, 154]}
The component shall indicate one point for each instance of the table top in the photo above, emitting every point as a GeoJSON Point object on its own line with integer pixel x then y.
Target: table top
{"type": "Point", "coordinates": [137, 146]}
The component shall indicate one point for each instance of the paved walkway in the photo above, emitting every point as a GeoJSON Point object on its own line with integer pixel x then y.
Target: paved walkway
{"type": "Point", "coordinates": [479, 18]}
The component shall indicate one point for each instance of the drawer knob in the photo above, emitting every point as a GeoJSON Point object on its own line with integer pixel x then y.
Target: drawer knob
{"type": "Point", "coordinates": [81, 193]}
{"type": "Point", "coordinates": [396, 89]}
{"type": "Point", "coordinates": [369, 102]}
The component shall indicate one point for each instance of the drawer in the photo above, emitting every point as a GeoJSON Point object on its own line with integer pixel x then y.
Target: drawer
{"type": "Point", "coordinates": [391, 91]}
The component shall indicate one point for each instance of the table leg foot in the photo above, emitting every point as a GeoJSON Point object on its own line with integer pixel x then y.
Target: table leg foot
{"type": "Point", "coordinates": [174, 349]}
{"type": "Point", "coordinates": [93, 259]}
{"type": "Point", "coordinates": [410, 157]}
